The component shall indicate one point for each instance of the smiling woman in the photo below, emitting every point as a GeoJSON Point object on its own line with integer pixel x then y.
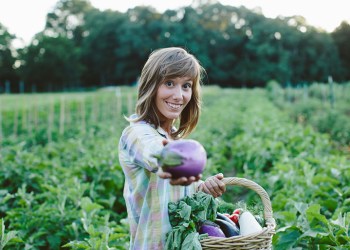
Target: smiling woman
{"type": "Point", "coordinates": [169, 90]}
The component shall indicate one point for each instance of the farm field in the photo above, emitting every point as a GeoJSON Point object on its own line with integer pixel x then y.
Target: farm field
{"type": "Point", "coordinates": [61, 183]}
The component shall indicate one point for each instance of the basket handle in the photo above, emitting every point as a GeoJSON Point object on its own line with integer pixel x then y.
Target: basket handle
{"type": "Point", "coordinates": [235, 181]}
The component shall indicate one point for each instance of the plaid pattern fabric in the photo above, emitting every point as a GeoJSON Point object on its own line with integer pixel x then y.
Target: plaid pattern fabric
{"type": "Point", "coordinates": [146, 195]}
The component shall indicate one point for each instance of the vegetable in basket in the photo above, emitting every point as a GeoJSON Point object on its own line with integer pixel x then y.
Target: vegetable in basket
{"type": "Point", "coordinates": [212, 229]}
{"type": "Point", "coordinates": [224, 217]}
{"type": "Point", "coordinates": [229, 229]}
{"type": "Point", "coordinates": [183, 158]}
{"type": "Point", "coordinates": [186, 216]}
{"type": "Point", "coordinates": [248, 224]}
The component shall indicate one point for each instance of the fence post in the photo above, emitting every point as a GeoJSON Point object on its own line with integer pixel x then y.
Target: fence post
{"type": "Point", "coordinates": [62, 113]}
{"type": "Point", "coordinates": [82, 112]}
{"type": "Point", "coordinates": [331, 91]}
{"type": "Point", "coordinates": [130, 104]}
{"type": "Point", "coordinates": [51, 117]}
{"type": "Point", "coordinates": [7, 87]}
{"type": "Point", "coordinates": [306, 91]}
{"type": "Point", "coordinates": [21, 87]}
{"type": "Point", "coordinates": [15, 123]}
{"type": "Point", "coordinates": [118, 94]}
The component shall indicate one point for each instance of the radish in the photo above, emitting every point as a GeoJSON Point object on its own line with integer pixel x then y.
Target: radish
{"type": "Point", "coordinates": [248, 224]}
{"type": "Point", "coordinates": [183, 158]}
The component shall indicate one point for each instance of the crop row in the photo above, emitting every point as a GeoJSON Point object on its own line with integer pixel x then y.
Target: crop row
{"type": "Point", "coordinates": [69, 189]}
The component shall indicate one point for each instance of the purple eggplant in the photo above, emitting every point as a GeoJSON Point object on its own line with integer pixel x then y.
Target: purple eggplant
{"type": "Point", "coordinates": [212, 229]}
{"type": "Point", "coordinates": [183, 158]}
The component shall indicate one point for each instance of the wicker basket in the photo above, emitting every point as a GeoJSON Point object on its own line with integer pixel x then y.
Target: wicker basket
{"type": "Point", "coordinates": [261, 240]}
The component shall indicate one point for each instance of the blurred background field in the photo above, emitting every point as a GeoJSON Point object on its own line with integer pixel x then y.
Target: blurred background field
{"type": "Point", "coordinates": [59, 165]}
{"type": "Point", "coordinates": [276, 110]}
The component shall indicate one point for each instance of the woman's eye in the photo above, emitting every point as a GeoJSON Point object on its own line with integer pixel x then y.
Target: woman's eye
{"type": "Point", "coordinates": [169, 83]}
{"type": "Point", "coordinates": [187, 85]}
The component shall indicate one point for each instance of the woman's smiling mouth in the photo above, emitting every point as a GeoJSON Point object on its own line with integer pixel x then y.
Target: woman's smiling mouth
{"type": "Point", "coordinates": [173, 105]}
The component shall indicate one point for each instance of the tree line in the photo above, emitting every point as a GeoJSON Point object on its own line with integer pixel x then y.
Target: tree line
{"type": "Point", "coordinates": [84, 47]}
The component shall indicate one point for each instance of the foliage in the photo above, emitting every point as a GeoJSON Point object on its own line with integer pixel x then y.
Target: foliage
{"type": "Point", "coordinates": [67, 190]}
{"type": "Point", "coordinates": [84, 47]}
{"type": "Point", "coordinates": [323, 106]}
{"type": "Point", "coordinates": [6, 238]}
{"type": "Point", "coordinates": [186, 216]}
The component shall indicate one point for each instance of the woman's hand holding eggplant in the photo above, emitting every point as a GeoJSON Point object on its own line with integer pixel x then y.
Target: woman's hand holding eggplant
{"type": "Point", "coordinates": [183, 181]}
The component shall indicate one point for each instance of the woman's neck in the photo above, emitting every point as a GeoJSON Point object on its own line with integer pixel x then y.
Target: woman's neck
{"type": "Point", "coordinates": [166, 126]}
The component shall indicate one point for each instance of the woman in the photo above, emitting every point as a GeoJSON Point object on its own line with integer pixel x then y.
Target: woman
{"type": "Point", "coordinates": [169, 91]}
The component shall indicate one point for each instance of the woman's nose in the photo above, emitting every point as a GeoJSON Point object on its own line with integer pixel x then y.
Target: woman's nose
{"type": "Point", "coordinates": [178, 93]}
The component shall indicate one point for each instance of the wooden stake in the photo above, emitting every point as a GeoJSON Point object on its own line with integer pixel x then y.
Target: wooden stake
{"type": "Point", "coordinates": [93, 111]}
{"type": "Point", "coordinates": [130, 104]}
{"type": "Point", "coordinates": [35, 116]}
{"type": "Point", "coordinates": [24, 118]}
{"type": "Point", "coordinates": [50, 121]}
{"type": "Point", "coordinates": [119, 103]}
{"type": "Point", "coordinates": [62, 117]}
{"type": "Point", "coordinates": [82, 111]}
{"type": "Point", "coordinates": [15, 123]}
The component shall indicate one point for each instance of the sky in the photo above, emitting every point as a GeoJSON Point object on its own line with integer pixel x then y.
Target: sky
{"type": "Point", "coordinates": [25, 18]}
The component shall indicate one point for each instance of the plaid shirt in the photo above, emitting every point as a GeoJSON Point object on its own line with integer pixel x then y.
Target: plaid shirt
{"type": "Point", "coordinates": [147, 195]}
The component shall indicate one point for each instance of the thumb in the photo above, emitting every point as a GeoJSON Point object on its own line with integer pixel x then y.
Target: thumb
{"type": "Point", "coordinates": [165, 142]}
{"type": "Point", "coordinates": [220, 176]}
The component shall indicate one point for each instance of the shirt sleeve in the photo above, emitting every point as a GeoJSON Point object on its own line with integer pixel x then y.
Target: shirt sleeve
{"type": "Point", "coordinates": [140, 142]}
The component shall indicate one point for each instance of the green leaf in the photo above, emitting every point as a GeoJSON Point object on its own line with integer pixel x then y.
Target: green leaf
{"type": "Point", "coordinates": [5, 238]}
{"type": "Point", "coordinates": [313, 233]}
{"type": "Point", "coordinates": [286, 217]}
{"type": "Point", "coordinates": [313, 213]}
{"type": "Point", "coordinates": [77, 245]}
{"type": "Point", "coordinates": [286, 239]}
{"type": "Point", "coordinates": [2, 230]}
{"type": "Point", "coordinates": [191, 242]}
{"type": "Point", "coordinates": [340, 221]}
{"type": "Point", "coordinates": [88, 206]}
{"type": "Point", "coordinates": [301, 207]}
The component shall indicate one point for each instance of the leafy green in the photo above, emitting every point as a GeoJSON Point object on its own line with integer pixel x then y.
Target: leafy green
{"type": "Point", "coordinates": [185, 217]}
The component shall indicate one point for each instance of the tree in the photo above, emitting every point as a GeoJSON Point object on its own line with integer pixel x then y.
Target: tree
{"type": "Point", "coordinates": [51, 64]}
{"type": "Point", "coordinates": [99, 47]}
{"type": "Point", "coordinates": [341, 36]}
{"type": "Point", "coordinates": [7, 60]}
{"type": "Point", "coordinates": [67, 19]}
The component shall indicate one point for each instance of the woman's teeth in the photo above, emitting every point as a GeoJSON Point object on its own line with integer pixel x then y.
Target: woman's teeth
{"type": "Point", "coordinates": [174, 106]}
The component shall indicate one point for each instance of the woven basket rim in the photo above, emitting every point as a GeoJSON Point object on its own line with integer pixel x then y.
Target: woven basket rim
{"type": "Point", "coordinates": [262, 238]}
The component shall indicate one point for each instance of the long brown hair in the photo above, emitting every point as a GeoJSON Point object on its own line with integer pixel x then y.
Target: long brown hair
{"type": "Point", "coordinates": [168, 63]}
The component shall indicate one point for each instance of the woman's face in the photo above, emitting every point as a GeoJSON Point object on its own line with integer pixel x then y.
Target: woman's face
{"type": "Point", "coordinates": [172, 97]}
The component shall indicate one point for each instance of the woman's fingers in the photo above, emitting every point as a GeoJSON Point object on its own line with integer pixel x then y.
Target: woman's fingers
{"type": "Point", "coordinates": [213, 187]}
{"type": "Point", "coordinates": [180, 181]}
{"type": "Point", "coordinates": [198, 177]}
{"type": "Point", "coordinates": [183, 181]}
{"type": "Point", "coordinates": [163, 175]}
{"type": "Point", "coordinates": [206, 190]}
